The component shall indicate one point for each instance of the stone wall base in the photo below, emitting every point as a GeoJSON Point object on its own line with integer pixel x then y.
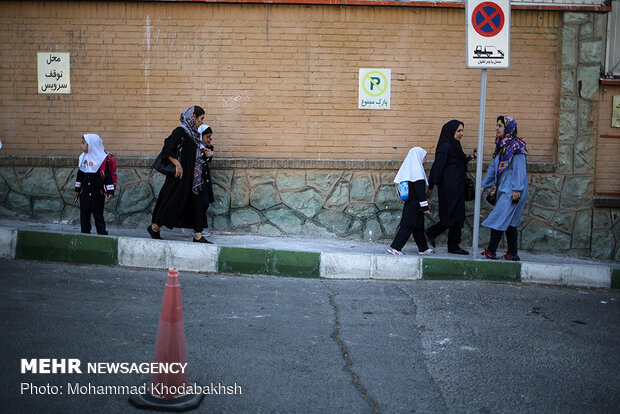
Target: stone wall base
{"type": "Point", "coordinates": [338, 199]}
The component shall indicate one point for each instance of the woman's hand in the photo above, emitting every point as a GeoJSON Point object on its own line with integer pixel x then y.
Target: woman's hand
{"type": "Point", "coordinates": [178, 172]}
{"type": "Point", "coordinates": [516, 195]}
{"type": "Point", "coordinates": [474, 154]}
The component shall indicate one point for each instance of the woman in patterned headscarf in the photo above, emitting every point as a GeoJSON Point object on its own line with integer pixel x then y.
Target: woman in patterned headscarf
{"type": "Point", "coordinates": [179, 203]}
{"type": "Point", "coordinates": [507, 178]}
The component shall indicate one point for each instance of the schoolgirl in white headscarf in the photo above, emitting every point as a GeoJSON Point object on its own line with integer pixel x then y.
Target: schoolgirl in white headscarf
{"type": "Point", "coordinates": [412, 169]}
{"type": "Point", "coordinates": [91, 160]}
{"type": "Point", "coordinates": [90, 186]}
{"type": "Point", "coordinates": [412, 220]}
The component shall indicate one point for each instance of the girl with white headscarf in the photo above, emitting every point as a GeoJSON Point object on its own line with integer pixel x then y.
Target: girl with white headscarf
{"type": "Point", "coordinates": [412, 220]}
{"type": "Point", "coordinates": [90, 186]}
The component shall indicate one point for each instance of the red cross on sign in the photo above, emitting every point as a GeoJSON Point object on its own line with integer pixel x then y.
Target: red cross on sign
{"type": "Point", "coordinates": [487, 19]}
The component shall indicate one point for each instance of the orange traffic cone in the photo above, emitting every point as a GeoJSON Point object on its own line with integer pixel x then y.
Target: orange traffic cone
{"type": "Point", "coordinates": [166, 389]}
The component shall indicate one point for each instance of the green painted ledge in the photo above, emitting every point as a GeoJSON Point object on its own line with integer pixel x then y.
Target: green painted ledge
{"type": "Point", "coordinates": [268, 262]}
{"type": "Point", "coordinates": [615, 278]}
{"type": "Point", "coordinates": [451, 269]}
{"type": "Point", "coordinates": [57, 247]}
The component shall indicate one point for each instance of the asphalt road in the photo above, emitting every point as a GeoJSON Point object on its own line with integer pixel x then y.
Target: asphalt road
{"type": "Point", "coordinates": [316, 346]}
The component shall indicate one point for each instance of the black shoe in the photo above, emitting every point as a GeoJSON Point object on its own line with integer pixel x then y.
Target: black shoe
{"type": "Point", "coordinates": [431, 240]}
{"type": "Point", "coordinates": [202, 240]}
{"type": "Point", "coordinates": [458, 250]}
{"type": "Point", "coordinates": [154, 234]}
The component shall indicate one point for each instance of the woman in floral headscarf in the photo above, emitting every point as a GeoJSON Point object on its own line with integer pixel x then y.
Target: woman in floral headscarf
{"type": "Point", "coordinates": [507, 178]}
{"type": "Point", "coordinates": [179, 203]}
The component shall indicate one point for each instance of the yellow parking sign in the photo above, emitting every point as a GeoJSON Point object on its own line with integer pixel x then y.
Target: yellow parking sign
{"type": "Point", "coordinates": [374, 88]}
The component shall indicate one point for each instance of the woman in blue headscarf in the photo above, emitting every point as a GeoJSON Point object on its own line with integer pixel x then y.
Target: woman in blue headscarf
{"type": "Point", "coordinates": [507, 178]}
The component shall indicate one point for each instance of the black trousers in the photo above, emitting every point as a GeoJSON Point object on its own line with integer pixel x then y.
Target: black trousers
{"type": "Point", "coordinates": [511, 238]}
{"type": "Point", "coordinates": [403, 235]}
{"type": "Point", "coordinates": [454, 234]}
{"type": "Point", "coordinates": [199, 210]}
{"type": "Point", "coordinates": [92, 204]}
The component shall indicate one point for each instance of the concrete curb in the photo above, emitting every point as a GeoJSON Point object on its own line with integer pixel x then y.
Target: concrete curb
{"type": "Point", "coordinates": [194, 257]}
{"type": "Point", "coordinates": [369, 266]}
{"type": "Point", "coordinates": [163, 254]}
{"type": "Point", "coordinates": [59, 247]}
{"type": "Point", "coordinates": [8, 243]}
{"type": "Point", "coordinates": [468, 269]}
{"type": "Point", "coordinates": [567, 275]}
{"type": "Point", "coordinates": [615, 278]}
{"type": "Point", "coordinates": [268, 262]}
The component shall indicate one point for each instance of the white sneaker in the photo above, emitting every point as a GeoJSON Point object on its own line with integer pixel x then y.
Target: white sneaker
{"type": "Point", "coordinates": [427, 252]}
{"type": "Point", "coordinates": [394, 252]}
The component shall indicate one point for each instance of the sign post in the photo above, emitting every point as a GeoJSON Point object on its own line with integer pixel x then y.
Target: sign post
{"type": "Point", "coordinates": [488, 46]}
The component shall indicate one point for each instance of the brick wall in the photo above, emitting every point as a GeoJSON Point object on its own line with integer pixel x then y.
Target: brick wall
{"type": "Point", "coordinates": [277, 81]}
{"type": "Point", "coordinates": [607, 146]}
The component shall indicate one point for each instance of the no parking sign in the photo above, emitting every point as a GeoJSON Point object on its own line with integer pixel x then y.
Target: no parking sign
{"type": "Point", "coordinates": [488, 33]}
{"type": "Point", "coordinates": [374, 89]}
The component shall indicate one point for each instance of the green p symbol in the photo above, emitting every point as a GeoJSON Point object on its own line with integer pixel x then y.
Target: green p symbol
{"type": "Point", "coordinates": [376, 81]}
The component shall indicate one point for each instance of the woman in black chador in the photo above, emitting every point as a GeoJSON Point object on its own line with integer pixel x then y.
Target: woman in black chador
{"type": "Point", "coordinates": [180, 203]}
{"type": "Point", "coordinates": [448, 172]}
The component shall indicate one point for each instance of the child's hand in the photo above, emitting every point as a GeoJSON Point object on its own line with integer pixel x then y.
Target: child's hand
{"type": "Point", "coordinates": [75, 196]}
{"type": "Point", "coordinates": [108, 196]}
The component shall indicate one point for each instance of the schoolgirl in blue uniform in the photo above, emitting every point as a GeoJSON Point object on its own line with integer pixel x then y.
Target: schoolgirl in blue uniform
{"type": "Point", "coordinates": [90, 187]}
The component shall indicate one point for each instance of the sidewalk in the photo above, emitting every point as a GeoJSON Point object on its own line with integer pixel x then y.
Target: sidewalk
{"type": "Point", "coordinates": [288, 256]}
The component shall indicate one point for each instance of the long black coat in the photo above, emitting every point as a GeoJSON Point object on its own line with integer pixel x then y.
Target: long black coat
{"type": "Point", "coordinates": [174, 207]}
{"type": "Point", "coordinates": [413, 210]}
{"type": "Point", "coordinates": [448, 173]}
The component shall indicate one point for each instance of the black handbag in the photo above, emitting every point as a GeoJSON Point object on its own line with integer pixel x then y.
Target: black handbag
{"type": "Point", "coordinates": [164, 166]}
{"type": "Point", "coordinates": [492, 199]}
{"type": "Point", "coordinates": [470, 189]}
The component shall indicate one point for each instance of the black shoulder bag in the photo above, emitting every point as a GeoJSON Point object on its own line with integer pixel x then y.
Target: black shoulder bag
{"type": "Point", "coordinates": [470, 188]}
{"type": "Point", "coordinates": [163, 165]}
